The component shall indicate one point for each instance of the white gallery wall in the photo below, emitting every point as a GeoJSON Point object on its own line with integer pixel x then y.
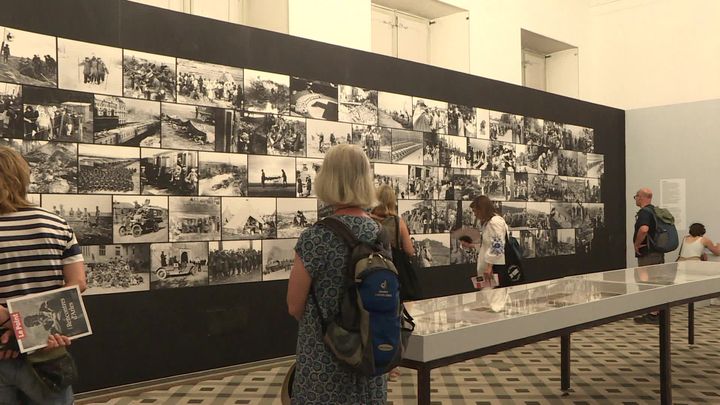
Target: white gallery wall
{"type": "Point", "coordinates": [675, 141]}
{"type": "Point", "coordinates": [339, 22]}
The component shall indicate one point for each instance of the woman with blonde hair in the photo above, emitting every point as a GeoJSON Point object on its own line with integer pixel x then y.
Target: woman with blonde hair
{"type": "Point", "coordinates": [40, 253]}
{"type": "Point", "coordinates": [344, 182]}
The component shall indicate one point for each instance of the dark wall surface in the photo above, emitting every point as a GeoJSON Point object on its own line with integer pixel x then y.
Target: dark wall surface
{"type": "Point", "coordinates": [154, 334]}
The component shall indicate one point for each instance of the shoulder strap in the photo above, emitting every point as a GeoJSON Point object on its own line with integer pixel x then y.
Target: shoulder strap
{"type": "Point", "coordinates": [398, 241]}
{"type": "Point", "coordinates": [341, 230]}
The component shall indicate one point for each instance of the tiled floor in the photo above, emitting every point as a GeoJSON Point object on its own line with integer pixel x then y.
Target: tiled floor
{"type": "Point", "coordinates": [612, 364]}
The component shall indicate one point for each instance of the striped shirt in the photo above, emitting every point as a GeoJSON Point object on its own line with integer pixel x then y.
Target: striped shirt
{"type": "Point", "coordinates": [34, 246]}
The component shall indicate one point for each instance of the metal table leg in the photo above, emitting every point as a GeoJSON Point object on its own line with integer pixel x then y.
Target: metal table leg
{"type": "Point", "coordinates": [691, 323]}
{"type": "Point", "coordinates": [423, 385]}
{"type": "Point", "coordinates": [565, 363]}
{"type": "Point", "coordinates": [665, 361]}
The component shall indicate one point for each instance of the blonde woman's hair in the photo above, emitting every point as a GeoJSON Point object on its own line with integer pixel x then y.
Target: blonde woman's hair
{"type": "Point", "coordinates": [345, 178]}
{"type": "Point", "coordinates": [387, 201]}
{"type": "Point", "coordinates": [14, 181]}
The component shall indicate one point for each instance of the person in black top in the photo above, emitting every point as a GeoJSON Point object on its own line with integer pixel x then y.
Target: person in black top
{"type": "Point", "coordinates": [644, 252]}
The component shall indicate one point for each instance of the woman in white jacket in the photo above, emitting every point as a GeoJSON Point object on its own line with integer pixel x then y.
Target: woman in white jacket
{"type": "Point", "coordinates": [491, 250]}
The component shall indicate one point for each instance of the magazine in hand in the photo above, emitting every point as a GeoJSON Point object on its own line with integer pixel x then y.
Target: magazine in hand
{"type": "Point", "coordinates": [467, 234]}
{"type": "Point", "coordinates": [36, 316]}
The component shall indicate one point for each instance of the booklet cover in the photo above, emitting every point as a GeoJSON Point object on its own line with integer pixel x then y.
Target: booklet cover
{"type": "Point", "coordinates": [37, 316]}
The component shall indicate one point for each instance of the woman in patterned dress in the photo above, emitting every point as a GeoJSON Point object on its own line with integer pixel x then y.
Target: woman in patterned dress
{"type": "Point", "coordinates": [345, 182]}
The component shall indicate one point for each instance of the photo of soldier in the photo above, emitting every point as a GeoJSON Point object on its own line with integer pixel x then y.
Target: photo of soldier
{"type": "Point", "coordinates": [462, 121]}
{"type": "Point", "coordinates": [542, 160]}
{"type": "Point", "coordinates": [89, 67]}
{"type": "Point", "coordinates": [593, 191]}
{"type": "Point", "coordinates": [148, 76]}
{"type": "Point", "coordinates": [168, 172]}
{"type": "Point", "coordinates": [460, 184]}
{"type": "Point", "coordinates": [358, 105]}
{"type": "Point", "coordinates": [267, 92]}
{"type": "Point", "coordinates": [90, 216]}
{"type": "Point", "coordinates": [178, 265]}
{"type": "Point", "coordinates": [446, 213]}
{"type": "Point", "coordinates": [573, 189]}
{"type": "Point", "coordinates": [27, 58]}
{"type": "Point", "coordinates": [278, 256]}
{"type": "Point", "coordinates": [305, 173]}
{"type": "Point", "coordinates": [234, 262]}
{"type": "Point", "coordinates": [505, 127]}
{"type": "Point", "coordinates": [546, 243]}
{"type": "Point", "coordinates": [140, 219]}
{"type": "Point", "coordinates": [533, 133]}
{"type": "Point", "coordinates": [108, 169]}
{"type": "Point", "coordinates": [208, 84]}
{"type": "Point", "coordinates": [554, 133]}
{"type": "Point", "coordinates": [453, 151]}
{"type": "Point", "coordinates": [580, 139]}
{"type": "Point", "coordinates": [375, 141]}
{"type": "Point", "coordinates": [194, 219]}
{"type": "Point", "coordinates": [540, 215]}
{"type": "Point", "coordinates": [424, 182]}
{"type": "Point", "coordinates": [248, 218]}
{"type": "Point", "coordinates": [395, 176]}
{"type": "Point", "coordinates": [114, 269]}
{"type": "Point", "coordinates": [515, 214]}
{"type": "Point", "coordinates": [223, 174]}
{"type": "Point", "coordinates": [313, 99]}
{"type": "Point", "coordinates": [545, 188]}
{"type": "Point", "coordinates": [322, 135]}
{"type": "Point", "coordinates": [419, 215]}
{"type": "Point", "coordinates": [430, 116]}
{"type": "Point", "coordinates": [52, 114]}
{"type": "Point", "coordinates": [502, 157]}
{"type": "Point", "coordinates": [284, 136]}
{"type": "Point", "coordinates": [53, 165]}
{"type": "Point", "coordinates": [516, 187]}
{"type": "Point", "coordinates": [569, 164]}
{"type": "Point", "coordinates": [271, 176]}
{"type": "Point", "coordinates": [12, 124]}
{"type": "Point", "coordinates": [294, 216]}
{"type": "Point", "coordinates": [126, 121]}
{"type": "Point", "coordinates": [394, 110]}
{"type": "Point", "coordinates": [407, 147]}
{"type": "Point", "coordinates": [492, 184]}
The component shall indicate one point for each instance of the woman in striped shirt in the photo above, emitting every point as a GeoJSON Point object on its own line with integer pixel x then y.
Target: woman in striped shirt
{"type": "Point", "coordinates": [38, 252]}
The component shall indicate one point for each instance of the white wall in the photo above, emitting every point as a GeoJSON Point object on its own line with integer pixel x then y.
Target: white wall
{"type": "Point", "coordinates": [449, 42]}
{"type": "Point", "coordinates": [339, 22]}
{"type": "Point", "coordinates": [676, 141]}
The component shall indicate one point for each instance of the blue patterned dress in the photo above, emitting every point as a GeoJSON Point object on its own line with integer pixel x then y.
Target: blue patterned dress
{"type": "Point", "coordinates": [319, 378]}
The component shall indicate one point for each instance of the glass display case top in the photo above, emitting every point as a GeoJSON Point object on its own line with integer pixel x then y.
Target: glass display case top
{"type": "Point", "coordinates": [662, 274]}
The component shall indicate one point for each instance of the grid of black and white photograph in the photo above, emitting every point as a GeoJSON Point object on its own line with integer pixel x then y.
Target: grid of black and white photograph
{"type": "Point", "coordinates": [202, 174]}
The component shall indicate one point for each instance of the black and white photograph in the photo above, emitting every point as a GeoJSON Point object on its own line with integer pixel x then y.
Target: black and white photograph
{"type": "Point", "coordinates": [462, 121]}
{"type": "Point", "coordinates": [482, 119]}
{"type": "Point", "coordinates": [188, 127]}
{"type": "Point", "coordinates": [106, 169]}
{"type": "Point", "coordinates": [515, 214]}
{"type": "Point", "coordinates": [295, 215]}
{"type": "Point", "coordinates": [28, 58]}
{"type": "Point", "coordinates": [168, 172]}
{"type": "Point", "coordinates": [538, 215]}
{"type": "Point", "coordinates": [593, 215]}
{"type": "Point", "coordinates": [223, 174]}
{"type": "Point", "coordinates": [581, 139]}
{"type": "Point", "coordinates": [460, 254]}
{"type": "Point", "coordinates": [270, 176]}
{"type": "Point", "coordinates": [358, 105]}
{"type": "Point", "coordinates": [447, 216]}
{"type": "Point", "coordinates": [555, 132]}
{"type": "Point", "coordinates": [516, 186]}
{"type": "Point", "coordinates": [305, 173]}
{"type": "Point", "coordinates": [236, 134]}
{"type": "Point", "coordinates": [545, 188]}
{"type": "Point", "coordinates": [461, 184]}
{"type": "Point", "coordinates": [407, 147]}
{"type": "Point", "coordinates": [322, 135]}
{"type": "Point", "coordinates": [140, 219]}
{"type": "Point", "coordinates": [562, 215]}
{"type": "Point", "coordinates": [592, 191]}
{"type": "Point", "coordinates": [505, 127]}
{"type": "Point", "coordinates": [565, 242]}
{"type": "Point", "coordinates": [114, 269]}
{"type": "Point", "coordinates": [376, 142]}
{"type": "Point", "coordinates": [582, 164]}
{"type": "Point", "coordinates": [178, 265]}
{"type": "Point", "coordinates": [583, 240]}
{"type": "Point", "coordinates": [533, 132]}
{"type": "Point", "coordinates": [267, 92]}
{"type": "Point", "coordinates": [453, 151]}
{"type": "Point", "coordinates": [57, 311]}
{"type": "Point", "coordinates": [313, 99]}
{"type": "Point", "coordinates": [526, 239]}
{"type": "Point", "coordinates": [249, 132]}
{"type": "Point", "coordinates": [468, 215]}
{"type": "Point", "coordinates": [285, 136]}
{"type": "Point", "coordinates": [394, 110]}
{"type": "Point", "coordinates": [53, 165]}
{"type": "Point", "coordinates": [194, 219]}
{"type": "Point", "coordinates": [542, 160]}
{"type": "Point", "coordinates": [395, 176]}
{"type": "Point", "coordinates": [208, 84]}
{"type": "Point", "coordinates": [52, 114]}
{"type": "Point", "coordinates": [568, 164]}
{"type": "Point", "coordinates": [248, 218]}
{"type": "Point", "coordinates": [149, 76]}
{"type": "Point", "coordinates": [595, 165]}
{"type": "Point", "coordinates": [431, 149]}
{"type": "Point", "coordinates": [238, 261]}
{"type": "Point", "coordinates": [418, 215]}
{"type": "Point", "coordinates": [126, 121]}
{"type": "Point", "coordinates": [278, 256]}
{"type": "Point", "coordinates": [492, 184]}
{"type": "Point", "coordinates": [432, 250]}
{"type": "Point", "coordinates": [90, 216]}
{"type": "Point", "coordinates": [430, 115]}
{"type": "Point", "coordinates": [479, 152]}
{"type": "Point", "coordinates": [12, 122]}
{"type": "Point", "coordinates": [573, 189]}
{"type": "Point", "coordinates": [545, 242]}
{"type": "Point", "coordinates": [522, 158]}
{"type": "Point", "coordinates": [424, 182]}
{"type": "Point", "coordinates": [89, 67]}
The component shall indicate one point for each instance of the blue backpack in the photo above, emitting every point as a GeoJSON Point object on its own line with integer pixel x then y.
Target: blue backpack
{"type": "Point", "coordinates": [370, 331]}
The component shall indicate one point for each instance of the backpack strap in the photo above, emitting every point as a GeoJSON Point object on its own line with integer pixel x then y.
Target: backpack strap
{"type": "Point", "coordinates": [398, 241]}
{"type": "Point", "coordinates": [339, 228]}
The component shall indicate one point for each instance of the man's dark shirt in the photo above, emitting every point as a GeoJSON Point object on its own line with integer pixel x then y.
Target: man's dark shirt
{"type": "Point", "coordinates": [644, 217]}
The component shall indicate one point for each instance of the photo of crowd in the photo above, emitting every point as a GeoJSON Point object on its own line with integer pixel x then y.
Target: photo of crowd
{"type": "Point", "coordinates": [148, 76]}
{"type": "Point", "coordinates": [447, 216]}
{"type": "Point", "coordinates": [462, 121]}
{"type": "Point", "coordinates": [106, 169]}
{"type": "Point", "coordinates": [209, 84]}
{"type": "Point", "coordinates": [234, 262]}
{"type": "Point", "coordinates": [322, 135]}
{"type": "Point", "coordinates": [545, 188]}
{"type": "Point", "coordinates": [313, 99]}
{"type": "Point", "coordinates": [278, 256]}
{"type": "Point", "coordinates": [266, 92]}
{"type": "Point", "coordinates": [89, 67]}
{"type": "Point", "coordinates": [395, 110]}
{"type": "Point", "coordinates": [140, 219]}
{"type": "Point", "coordinates": [579, 138]}
{"type": "Point", "coordinates": [285, 136]}
{"type": "Point", "coordinates": [505, 127]}
{"type": "Point", "coordinates": [194, 219]}
{"type": "Point", "coordinates": [515, 214]}
{"type": "Point", "coordinates": [294, 216]}
{"type": "Point", "coordinates": [516, 186]}
{"type": "Point", "coordinates": [11, 111]}
{"type": "Point", "coordinates": [168, 172]}
{"type": "Point", "coordinates": [407, 147]}
{"type": "Point", "coordinates": [178, 265]}
{"type": "Point", "coordinates": [90, 216]}
{"type": "Point", "coordinates": [52, 114]}
{"type": "Point", "coordinates": [113, 269]}
{"type": "Point", "coordinates": [460, 184]}
{"type": "Point", "coordinates": [452, 151]}
{"type": "Point", "coordinates": [419, 215]}
{"type": "Point", "coordinates": [430, 116]}
{"type": "Point", "coordinates": [395, 176]}
{"type": "Point", "coordinates": [27, 58]}
{"type": "Point", "coordinates": [533, 131]}
{"type": "Point", "coordinates": [423, 182]}
{"type": "Point", "coordinates": [376, 142]}
{"type": "Point", "coordinates": [358, 105]}
{"type": "Point", "coordinates": [223, 174]}
{"type": "Point", "coordinates": [305, 173]}
{"type": "Point", "coordinates": [248, 218]}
